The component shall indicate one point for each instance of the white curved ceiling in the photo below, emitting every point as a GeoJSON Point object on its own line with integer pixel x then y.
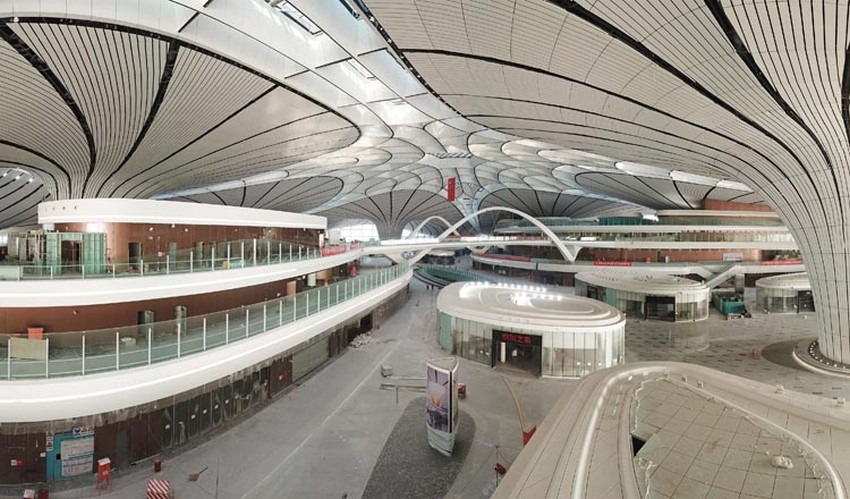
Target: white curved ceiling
{"type": "Point", "coordinates": [330, 122]}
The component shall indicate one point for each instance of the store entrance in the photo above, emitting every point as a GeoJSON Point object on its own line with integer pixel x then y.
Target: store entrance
{"type": "Point", "coordinates": [805, 301]}
{"type": "Point", "coordinates": [660, 307]}
{"type": "Point", "coordinates": [518, 352]}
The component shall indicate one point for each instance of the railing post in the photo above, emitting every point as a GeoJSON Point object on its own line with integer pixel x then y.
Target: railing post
{"type": "Point", "coordinates": [117, 350]}
{"type": "Point", "coordinates": [227, 328]}
{"type": "Point", "coordinates": [205, 334]}
{"type": "Point", "coordinates": [337, 294]}
{"type": "Point", "coordinates": [247, 321]}
{"type": "Point", "coordinates": [268, 251]}
{"type": "Point", "coordinates": [83, 269]}
{"type": "Point", "coordinates": [264, 317]}
{"type": "Point", "coordinates": [47, 357]}
{"type": "Point", "coordinates": [255, 252]}
{"type": "Point", "coordinates": [280, 313]}
{"type": "Point", "coordinates": [167, 264]}
{"type": "Point", "coordinates": [299, 251]}
{"type": "Point", "coordinates": [51, 272]}
{"type": "Point", "coordinates": [178, 340]}
{"type": "Point", "coordinates": [290, 252]}
{"type": "Point", "coordinates": [141, 267]}
{"type": "Point", "coordinates": [191, 261]}
{"type": "Point", "coordinates": [307, 296]}
{"type": "Point", "coordinates": [113, 270]}
{"type": "Point", "coordinates": [9, 358]}
{"type": "Point", "coordinates": [242, 252]}
{"type": "Point", "coordinates": [294, 308]}
{"type": "Point", "coordinates": [150, 345]}
{"type": "Point", "coordinates": [228, 254]}
{"type": "Point", "coordinates": [279, 252]}
{"type": "Point", "coordinates": [212, 258]}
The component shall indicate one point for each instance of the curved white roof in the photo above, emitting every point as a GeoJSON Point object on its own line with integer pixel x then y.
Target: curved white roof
{"type": "Point", "coordinates": [530, 307]}
{"type": "Point", "coordinates": [648, 283]}
{"type": "Point", "coordinates": [799, 281]}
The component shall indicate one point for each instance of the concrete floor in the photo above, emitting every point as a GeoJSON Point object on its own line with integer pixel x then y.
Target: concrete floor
{"type": "Point", "coordinates": [322, 439]}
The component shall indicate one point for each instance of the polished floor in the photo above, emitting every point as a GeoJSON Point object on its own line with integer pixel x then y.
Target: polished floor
{"type": "Point", "coordinates": [323, 438]}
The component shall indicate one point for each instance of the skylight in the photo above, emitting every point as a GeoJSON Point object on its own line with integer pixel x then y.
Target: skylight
{"type": "Point", "coordinates": [291, 12]}
{"type": "Point", "coordinates": [361, 69]}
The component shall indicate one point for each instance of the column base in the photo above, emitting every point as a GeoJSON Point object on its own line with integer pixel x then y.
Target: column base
{"type": "Point", "coordinates": [807, 353]}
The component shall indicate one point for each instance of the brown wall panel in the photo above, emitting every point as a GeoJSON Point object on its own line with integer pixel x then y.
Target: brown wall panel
{"type": "Point", "coordinates": [716, 204]}
{"type": "Point", "coordinates": [89, 318]}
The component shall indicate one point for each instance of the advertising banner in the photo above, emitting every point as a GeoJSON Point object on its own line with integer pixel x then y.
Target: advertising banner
{"type": "Point", "coordinates": [441, 403]}
{"type": "Point", "coordinates": [451, 189]}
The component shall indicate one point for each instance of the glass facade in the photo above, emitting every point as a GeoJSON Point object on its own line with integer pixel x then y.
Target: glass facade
{"type": "Point", "coordinates": [784, 300]}
{"type": "Point", "coordinates": [634, 303]}
{"type": "Point", "coordinates": [565, 354]}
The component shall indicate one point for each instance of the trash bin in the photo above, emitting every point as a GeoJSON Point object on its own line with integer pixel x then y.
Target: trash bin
{"type": "Point", "coordinates": [157, 465]}
{"type": "Point", "coordinates": [43, 494]}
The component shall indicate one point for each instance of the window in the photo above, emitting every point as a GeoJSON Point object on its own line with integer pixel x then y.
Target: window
{"type": "Point", "coordinates": [295, 15]}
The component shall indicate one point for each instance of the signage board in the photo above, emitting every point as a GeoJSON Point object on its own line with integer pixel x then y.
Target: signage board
{"type": "Point", "coordinates": [441, 403]}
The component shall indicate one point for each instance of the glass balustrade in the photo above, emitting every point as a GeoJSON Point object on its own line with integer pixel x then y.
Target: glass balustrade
{"type": "Point", "coordinates": [220, 256]}
{"type": "Point", "coordinates": [89, 352]}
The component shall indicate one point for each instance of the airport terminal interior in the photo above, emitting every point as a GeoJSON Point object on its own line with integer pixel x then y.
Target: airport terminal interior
{"type": "Point", "coordinates": [415, 249]}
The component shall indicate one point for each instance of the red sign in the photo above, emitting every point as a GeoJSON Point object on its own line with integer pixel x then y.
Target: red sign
{"type": "Point", "coordinates": [783, 262]}
{"type": "Point", "coordinates": [333, 250]}
{"type": "Point", "coordinates": [451, 187]}
{"type": "Point", "coordinates": [605, 263]}
{"type": "Point", "coordinates": [516, 338]}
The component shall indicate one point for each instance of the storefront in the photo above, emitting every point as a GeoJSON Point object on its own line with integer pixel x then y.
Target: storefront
{"type": "Point", "coordinates": [787, 293]}
{"type": "Point", "coordinates": [530, 329]}
{"type": "Point", "coordinates": [647, 295]}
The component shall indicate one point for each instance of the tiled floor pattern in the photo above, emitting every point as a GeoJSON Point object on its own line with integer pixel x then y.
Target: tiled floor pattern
{"type": "Point", "coordinates": [699, 449]}
{"type": "Point", "coordinates": [728, 346]}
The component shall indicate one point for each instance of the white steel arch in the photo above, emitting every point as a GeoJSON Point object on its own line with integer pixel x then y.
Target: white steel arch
{"type": "Point", "coordinates": [568, 254]}
{"type": "Point", "coordinates": [421, 226]}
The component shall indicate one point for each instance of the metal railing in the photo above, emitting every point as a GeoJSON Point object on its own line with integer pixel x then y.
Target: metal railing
{"type": "Point", "coordinates": [89, 352]}
{"type": "Point", "coordinates": [236, 254]}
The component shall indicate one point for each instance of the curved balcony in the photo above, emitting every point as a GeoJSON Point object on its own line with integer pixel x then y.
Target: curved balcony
{"type": "Point", "coordinates": [89, 352]}
{"type": "Point", "coordinates": [219, 256]}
